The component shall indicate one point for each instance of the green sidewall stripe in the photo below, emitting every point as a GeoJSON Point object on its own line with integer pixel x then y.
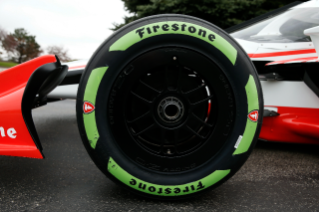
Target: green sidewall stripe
{"type": "Point", "coordinates": [165, 190]}
{"type": "Point", "coordinates": [90, 93]}
{"type": "Point", "coordinates": [148, 31]}
{"type": "Point", "coordinates": [251, 127]}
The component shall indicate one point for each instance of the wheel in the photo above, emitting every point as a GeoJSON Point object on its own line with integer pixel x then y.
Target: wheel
{"type": "Point", "coordinates": [168, 107]}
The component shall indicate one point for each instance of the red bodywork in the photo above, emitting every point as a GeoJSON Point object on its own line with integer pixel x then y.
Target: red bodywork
{"type": "Point", "coordinates": [15, 139]}
{"type": "Point", "coordinates": [296, 60]}
{"type": "Point", "coordinates": [293, 125]}
{"type": "Point", "coordinates": [283, 53]}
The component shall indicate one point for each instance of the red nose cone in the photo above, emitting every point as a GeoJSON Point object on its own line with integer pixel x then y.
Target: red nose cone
{"type": "Point", "coordinates": [88, 107]}
{"type": "Point", "coordinates": [253, 115]}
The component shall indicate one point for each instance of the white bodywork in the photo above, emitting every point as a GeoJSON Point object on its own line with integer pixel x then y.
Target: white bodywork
{"type": "Point", "coordinates": [286, 93]}
{"type": "Point", "coordinates": [259, 46]}
{"type": "Point", "coordinates": [289, 94]}
{"type": "Point", "coordinates": [314, 34]}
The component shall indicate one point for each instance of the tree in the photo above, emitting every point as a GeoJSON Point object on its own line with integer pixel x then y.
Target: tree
{"type": "Point", "coordinates": [223, 13]}
{"type": "Point", "coordinates": [9, 43]}
{"type": "Point", "coordinates": [21, 46]}
{"type": "Point", "coordinates": [3, 34]}
{"type": "Point", "coordinates": [60, 52]}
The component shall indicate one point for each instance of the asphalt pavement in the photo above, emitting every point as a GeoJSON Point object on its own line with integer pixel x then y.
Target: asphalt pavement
{"type": "Point", "coordinates": [276, 177]}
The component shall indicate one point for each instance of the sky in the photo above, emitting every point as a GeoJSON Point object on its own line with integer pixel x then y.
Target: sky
{"type": "Point", "coordinates": [77, 25]}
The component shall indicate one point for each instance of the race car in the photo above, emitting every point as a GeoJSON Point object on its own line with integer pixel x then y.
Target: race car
{"type": "Point", "coordinates": [171, 106]}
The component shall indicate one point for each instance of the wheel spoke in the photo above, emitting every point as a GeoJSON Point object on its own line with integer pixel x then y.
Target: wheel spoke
{"type": "Point", "coordinates": [166, 77]}
{"type": "Point", "coordinates": [201, 101]}
{"type": "Point", "coordinates": [195, 133]}
{"type": "Point", "coordinates": [178, 82]}
{"type": "Point", "coordinates": [150, 87]}
{"type": "Point", "coordinates": [144, 130]}
{"type": "Point", "coordinates": [176, 135]}
{"type": "Point", "coordinates": [163, 139]}
{"type": "Point", "coordinates": [138, 118]}
{"type": "Point", "coordinates": [203, 122]}
{"type": "Point", "coordinates": [141, 98]}
{"type": "Point", "coordinates": [195, 89]}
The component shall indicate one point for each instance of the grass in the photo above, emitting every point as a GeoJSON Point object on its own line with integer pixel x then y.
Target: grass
{"type": "Point", "coordinates": [7, 64]}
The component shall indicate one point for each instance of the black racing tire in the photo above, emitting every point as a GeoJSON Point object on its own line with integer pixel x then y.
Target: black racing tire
{"type": "Point", "coordinates": [168, 107]}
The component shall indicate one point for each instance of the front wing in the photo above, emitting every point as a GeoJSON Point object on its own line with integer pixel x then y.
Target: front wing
{"type": "Point", "coordinates": [24, 87]}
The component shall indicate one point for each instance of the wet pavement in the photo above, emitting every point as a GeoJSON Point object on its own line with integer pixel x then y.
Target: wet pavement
{"type": "Point", "coordinates": [276, 177]}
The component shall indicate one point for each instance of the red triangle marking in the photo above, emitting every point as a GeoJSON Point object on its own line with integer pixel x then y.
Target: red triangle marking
{"type": "Point", "coordinates": [88, 107]}
{"type": "Point", "coordinates": [253, 115]}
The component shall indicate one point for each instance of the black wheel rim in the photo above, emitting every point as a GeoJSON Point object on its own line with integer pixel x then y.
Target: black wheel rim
{"type": "Point", "coordinates": [168, 111]}
{"type": "Point", "coordinates": [176, 117]}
